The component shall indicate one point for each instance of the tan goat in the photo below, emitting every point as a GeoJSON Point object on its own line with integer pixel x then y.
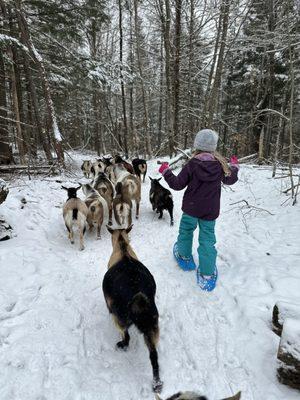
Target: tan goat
{"type": "Point", "coordinates": [131, 185]}
{"type": "Point", "coordinates": [75, 213]}
{"type": "Point", "coordinates": [97, 208]}
{"type": "Point", "coordinates": [122, 207]}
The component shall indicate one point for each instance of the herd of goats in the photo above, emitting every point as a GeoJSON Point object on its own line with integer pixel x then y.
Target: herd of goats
{"type": "Point", "coordinates": [128, 286]}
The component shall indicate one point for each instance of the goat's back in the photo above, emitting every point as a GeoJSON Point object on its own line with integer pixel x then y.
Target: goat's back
{"type": "Point", "coordinates": [73, 204]}
{"type": "Point", "coordinates": [124, 280]}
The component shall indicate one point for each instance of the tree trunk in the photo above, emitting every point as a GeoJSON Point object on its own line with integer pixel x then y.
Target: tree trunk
{"type": "Point", "coordinates": [176, 69]}
{"type": "Point", "coordinates": [214, 95]}
{"type": "Point", "coordinates": [125, 130]}
{"type": "Point", "coordinates": [138, 52]}
{"type": "Point", "coordinates": [47, 92]}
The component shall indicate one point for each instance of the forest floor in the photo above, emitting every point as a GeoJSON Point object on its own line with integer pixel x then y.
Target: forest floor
{"type": "Point", "coordinates": [57, 339]}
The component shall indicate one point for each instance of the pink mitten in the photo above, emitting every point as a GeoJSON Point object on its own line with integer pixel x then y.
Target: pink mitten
{"type": "Point", "coordinates": [234, 162]}
{"type": "Point", "coordinates": [163, 167]}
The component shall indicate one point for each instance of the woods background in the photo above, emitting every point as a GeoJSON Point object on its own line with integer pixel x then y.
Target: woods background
{"type": "Point", "coordinates": [141, 77]}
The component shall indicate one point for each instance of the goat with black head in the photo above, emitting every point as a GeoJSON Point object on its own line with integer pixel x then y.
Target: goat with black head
{"type": "Point", "coordinates": [161, 199]}
{"type": "Point", "coordinates": [75, 213]}
{"type": "Point", "coordinates": [127, 165]}
{"type": "Point", "coordinates": [129, 290]}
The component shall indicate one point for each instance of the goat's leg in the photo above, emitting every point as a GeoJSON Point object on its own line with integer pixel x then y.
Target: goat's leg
{"type": "Point", "coordinates": [160, 213]}
{"type": "Point", "coordinates": [123, 344]}
{"type": "Point", "coordinates": [110, 211]}
{"type": "Point", "coordinates": [71, 234]}
{"type": "Point", "coordinates": [151, 340]}
{"type": "Point", "coordinates": [137, 209]}
{"type": "Point", "coordinates": [100, 222]}
{"type": "Point", "coordinates": [81, 242]}
{"type": "Point", "coordinates": [171, 216]}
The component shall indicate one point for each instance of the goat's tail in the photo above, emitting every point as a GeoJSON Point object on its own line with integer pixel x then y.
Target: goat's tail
{"type": "Point", "coordinates": [75, 213]}
{"type": "Point", "coordinates": [141, 312]}
{"type": "Point", "coordinates": [139, 304]}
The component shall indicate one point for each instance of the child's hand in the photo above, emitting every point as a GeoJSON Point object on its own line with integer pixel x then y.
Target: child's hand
{"type": "Point", "coordinates": [163, 167]}
{"type": "Point", "coordinates": [234, 162]}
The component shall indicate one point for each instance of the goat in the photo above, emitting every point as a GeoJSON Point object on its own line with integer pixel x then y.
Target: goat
{"type": "Point", "coordinates": [104, 186]}
{"type": "Point", "coordinates": [97, 167]}
{"type": "Point", "coordinates": [122, 206]}
{"type": "Point", "coordinates": [131, 185]}
{"type": "Point", "coordinates": [140, 167]}
{"type": "Point", "coordinates": [161, 199]}
{"type": "Point", "coordinates": [129, 291]}
{"type": "Point", "coordinates": [75, 212]}
{"type": "Point", "coordinates": [127, 165]}
{"type": "Point", "coordinates": [96, 205]}
{"type": "Point", "coordinates": [194, 396]}
{"type": "Point", "coordinates": [86, 168]}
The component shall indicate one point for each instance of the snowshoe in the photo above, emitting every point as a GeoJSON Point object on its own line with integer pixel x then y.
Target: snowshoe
{"type": "Point", "coordinates": [185, 263]}
{"type": "Point", "coordinates": [207, 284]}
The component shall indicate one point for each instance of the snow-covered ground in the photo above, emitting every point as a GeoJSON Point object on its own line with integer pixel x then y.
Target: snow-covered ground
{"type": "Point", "coordinates": [57, 340]}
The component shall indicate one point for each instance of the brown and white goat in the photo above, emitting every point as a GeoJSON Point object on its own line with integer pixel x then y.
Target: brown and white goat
{"type": "Point", "coordinates": [127, 165]}
{"type": "Point", "coordinates": [131, 186]}
{"type": "Point", "coordinates": [97, 167]}
{"type": "Point", "coordinates": [194, 396]}
{"type": "Point", "coordinates": [122, 206]}
{"type": "Point", "coordinates": [97, 208]}
{"type": "Point", "coordinates": [105, 188]}
{"type": "Point", "coordinates": [75, 213]}
{"type": "Point", "coordinates": [140, 167]}
{"type": "Point", "coordinates": [86, 168]}
{"type": "Point", "coordinates": [129, 291]}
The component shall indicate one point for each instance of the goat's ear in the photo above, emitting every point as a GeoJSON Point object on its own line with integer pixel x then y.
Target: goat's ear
{"type": "Point", "coordinates": [236, 397]}
{"type": "Point", "coordinates": [158, 179]}
{"type": "Point", "coordinates": [63, 187]}
{"type": "Point", "coordinates": [129, 228]}
{"type": "Point", "coordinates": [78, 186]}
{"type": "Point", "coordinates": [151, 179]}
{"type": "Point", "coordinates": [110, 230]}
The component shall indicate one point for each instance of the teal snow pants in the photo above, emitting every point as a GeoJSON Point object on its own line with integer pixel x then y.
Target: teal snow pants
{"type": "Point", "coordinates": [207, 240]}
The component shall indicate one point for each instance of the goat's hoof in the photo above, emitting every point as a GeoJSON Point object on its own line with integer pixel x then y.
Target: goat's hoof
{"type": "Point", "coordinates": [136, 217]}
{"type": "Point", "coordinates": [172, 223]}
{"type": "Point", "coordinates": [110, 223]}
{"type": "Point", "coordinates": [159, 217]}
{"type": "Point", "coordinates": [81, 248]}
{"type": "Point", "coordinates": [98, 238]}
{"type": "Point", "coordinates": [157, 386]}
{"type": "Point", "coordinates": [122, 345]}
{"type": "Point", "coordinates": [72, 241]}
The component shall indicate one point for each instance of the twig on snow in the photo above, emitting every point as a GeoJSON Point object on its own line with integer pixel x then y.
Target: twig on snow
{"type": "Point", "coordinates": [247, 205]}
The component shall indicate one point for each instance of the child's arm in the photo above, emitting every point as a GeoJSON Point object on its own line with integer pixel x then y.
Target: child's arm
{"type": "Point", "coordinates": [234, 168]}
{"type": "Point", "coordinates": [178, 182]}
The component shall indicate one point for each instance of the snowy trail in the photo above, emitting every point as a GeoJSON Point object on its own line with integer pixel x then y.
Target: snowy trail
{"type": "Point", "coordinates": [57, 340]}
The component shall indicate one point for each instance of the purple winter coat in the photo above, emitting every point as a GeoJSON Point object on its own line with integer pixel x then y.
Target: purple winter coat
{"type": "Point", "coordinates": [203, 180]}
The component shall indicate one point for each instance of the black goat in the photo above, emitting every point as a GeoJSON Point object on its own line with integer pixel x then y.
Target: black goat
{"type": "Point", "coordinates": [140, 167]}
{"type": "Point", "coordinates": [161, 199]}
{"type": "Point", "coordinates": [129, 290]}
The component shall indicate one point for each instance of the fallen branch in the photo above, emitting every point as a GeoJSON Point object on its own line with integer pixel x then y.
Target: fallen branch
{"type": "Point", "coordinates": [185, 154]}
{"type": "Point", "coordinates": [288, 190]}
{"type": "Point", "coordinates": [247, 205]}
{"type": "Point", "coordinates": [247, 158]}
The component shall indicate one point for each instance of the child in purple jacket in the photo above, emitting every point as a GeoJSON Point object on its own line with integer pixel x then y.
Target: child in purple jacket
{"type": "Point", "coordinates": [203, 176]}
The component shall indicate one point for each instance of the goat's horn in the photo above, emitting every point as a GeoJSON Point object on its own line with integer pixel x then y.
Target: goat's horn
{"type": "Point", "coordinates": [157, 397]}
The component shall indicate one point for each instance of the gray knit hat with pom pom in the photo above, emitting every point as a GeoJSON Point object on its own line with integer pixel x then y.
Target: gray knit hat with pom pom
{"type": "Point", "coordinates": [206, 140]}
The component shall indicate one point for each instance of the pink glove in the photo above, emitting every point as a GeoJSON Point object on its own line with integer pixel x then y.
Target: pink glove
{"type": "Point", "coordinates": [163, 167]}
{"type": "Point", "coordinates": [234, 162]}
